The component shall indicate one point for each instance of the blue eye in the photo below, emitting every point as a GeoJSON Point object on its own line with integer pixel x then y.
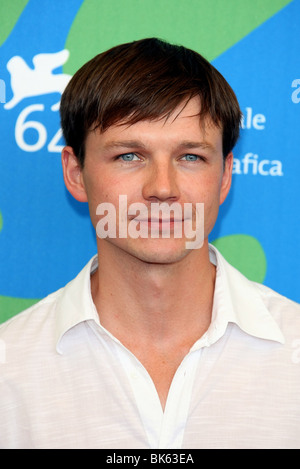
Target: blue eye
{"type": "Point", "coordinates": [190, 157]}
{"type": "Point", "coordinates": [129, 157]}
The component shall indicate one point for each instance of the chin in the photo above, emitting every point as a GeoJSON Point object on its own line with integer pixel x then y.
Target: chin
{"type": "Point", "coordinates": [159, 251]}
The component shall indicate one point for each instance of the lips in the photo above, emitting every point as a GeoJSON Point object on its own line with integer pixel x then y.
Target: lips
{"type": "Point", "coordinates": [158, 220]}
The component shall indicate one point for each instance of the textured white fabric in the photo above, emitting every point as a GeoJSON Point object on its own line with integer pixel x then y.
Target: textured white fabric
{"type": "Point", "coordinates": [66, 382]}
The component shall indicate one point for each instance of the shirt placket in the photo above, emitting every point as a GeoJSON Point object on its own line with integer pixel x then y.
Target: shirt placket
{"type": "Point", "coordinates": [163, 429]}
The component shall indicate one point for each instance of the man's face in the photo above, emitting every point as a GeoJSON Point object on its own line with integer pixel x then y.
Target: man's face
{"type": "Point", "coordinates": [178, 160]}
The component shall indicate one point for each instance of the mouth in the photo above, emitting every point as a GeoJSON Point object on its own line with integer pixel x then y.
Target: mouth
{"type": "Point", "coordinates": [165, 227]}
{"type": "Point", "coordinates": [158, 221]}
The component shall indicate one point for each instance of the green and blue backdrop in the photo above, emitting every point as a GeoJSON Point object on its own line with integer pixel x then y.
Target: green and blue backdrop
{"type": "Point", "coordinates": [45, 236]}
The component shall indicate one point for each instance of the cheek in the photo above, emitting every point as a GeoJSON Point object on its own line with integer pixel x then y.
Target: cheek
{"type": "Point", "coordinates": [97, 193]}
{"type": "Point", "coordinates": [108, 191]}
{"type": "Point", "coordinates": [98, 187]}
{"type": "Point", "coordinates": [208, 189]}
{"type": "Point", "coordinates": [210, 196]}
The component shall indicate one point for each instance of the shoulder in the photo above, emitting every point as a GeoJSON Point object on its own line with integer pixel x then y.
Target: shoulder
{"type": "Point", "coordinates": [27, 343]}
{"type": "Point", "coordinates": [284, 311]}
{"type": "Point", "coordinates": [27, 325]}
{"type": "Point", "coordinates": [243, 288]}
{"type": "Point", "coordinates": [38, 328]}
{"type": "Point", "coordinates": [257, 303]}
{"type": "Point", "coordinates": [276, 302]}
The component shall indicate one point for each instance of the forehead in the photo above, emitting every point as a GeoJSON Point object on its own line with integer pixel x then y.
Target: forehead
{"type": "Point", "coordinates": [184, 124]}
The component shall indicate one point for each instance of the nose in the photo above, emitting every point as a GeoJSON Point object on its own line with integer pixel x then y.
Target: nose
{"type": "Point", "coordinates": [160, 183]}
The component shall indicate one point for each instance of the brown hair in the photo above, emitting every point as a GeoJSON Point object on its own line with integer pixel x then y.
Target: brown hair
{"type": "Point", "coordinates": [145, 79]}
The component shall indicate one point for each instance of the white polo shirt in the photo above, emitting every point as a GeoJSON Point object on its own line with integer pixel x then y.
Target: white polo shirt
{"type": "Point", "coordinates": [66, 382]}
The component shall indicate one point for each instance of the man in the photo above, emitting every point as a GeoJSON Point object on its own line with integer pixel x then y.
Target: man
{"type": "Point", "coordinates": [157, 343]}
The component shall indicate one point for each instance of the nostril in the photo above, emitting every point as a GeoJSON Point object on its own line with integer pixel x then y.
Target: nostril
{"type": "Point", "coordinates": [161, 184]}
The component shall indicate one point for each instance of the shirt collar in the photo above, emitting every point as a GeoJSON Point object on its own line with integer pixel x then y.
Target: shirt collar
{"type": "Point", "coordinates": [75, 305]}
{"type": "Point", "coordinates": [236, 300]}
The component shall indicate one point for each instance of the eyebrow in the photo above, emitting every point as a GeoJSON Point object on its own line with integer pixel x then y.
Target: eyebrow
{"type": "Point", "coordinates": [186, 144]}
{"type": "Point", "coordinates": [204, 145]}
{"type": "Point", "coordinates": [124, 144]}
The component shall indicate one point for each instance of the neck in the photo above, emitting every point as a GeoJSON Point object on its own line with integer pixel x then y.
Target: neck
{"type": "Point", "coordinates": [158, 303]}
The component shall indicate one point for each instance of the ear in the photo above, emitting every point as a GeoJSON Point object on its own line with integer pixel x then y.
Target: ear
{"type": "Point", "coordinates": [72, 172]}
{"type": "Point", "coordinates": [226, 177]}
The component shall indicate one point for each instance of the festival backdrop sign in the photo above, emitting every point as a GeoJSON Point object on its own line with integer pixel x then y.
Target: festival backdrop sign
{"type": "Point", "coordinates": [46, 236]}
